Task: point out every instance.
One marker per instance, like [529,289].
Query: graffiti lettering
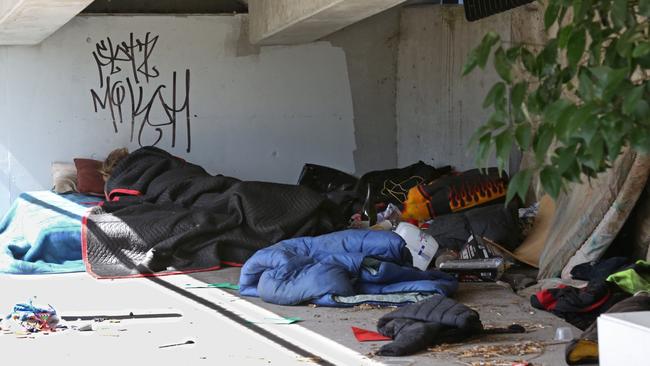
[126,88]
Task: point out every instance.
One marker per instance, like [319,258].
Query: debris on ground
[493,355]
[31,318]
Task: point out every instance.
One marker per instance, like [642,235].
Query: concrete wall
[437,110]
[371,50]
[252,115]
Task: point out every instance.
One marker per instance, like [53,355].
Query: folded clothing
[436,320]
[340,269]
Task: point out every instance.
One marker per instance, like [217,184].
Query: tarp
[590,215]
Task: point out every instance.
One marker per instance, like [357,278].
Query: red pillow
[89,180]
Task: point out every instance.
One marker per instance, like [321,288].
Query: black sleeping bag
[167,215]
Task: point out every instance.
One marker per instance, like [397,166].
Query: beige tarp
[590,214]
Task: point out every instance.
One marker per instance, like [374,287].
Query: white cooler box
[624,339]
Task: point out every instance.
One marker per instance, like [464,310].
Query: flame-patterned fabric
[455,193]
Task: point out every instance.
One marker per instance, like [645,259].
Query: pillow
[89,180]
[64,177]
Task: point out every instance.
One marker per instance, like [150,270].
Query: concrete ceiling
[24,22]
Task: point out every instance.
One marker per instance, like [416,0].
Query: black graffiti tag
[127,88]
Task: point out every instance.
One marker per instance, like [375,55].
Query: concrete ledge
[275,22]
[28,22]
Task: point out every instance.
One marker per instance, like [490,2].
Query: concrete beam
[28,22]
[274,22]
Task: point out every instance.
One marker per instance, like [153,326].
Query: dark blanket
[166,215]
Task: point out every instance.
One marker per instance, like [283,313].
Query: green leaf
[503,144]
[631,99]
[551,181]
[619,12]
[483,150]
[553,111]
[519,185]
[497,92]
[528,59]
[588,130]
[642,110]
[489,40]
[471,63]
[576,47]
[550,16]
[513,53]
[563,126]
[563,36]
[565,157]
[608,80]
[641,50]
[502,65]
[641,141]
[543,139]
[586,88]
[523,134]
[518,93]
[644,7]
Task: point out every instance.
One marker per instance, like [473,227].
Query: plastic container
[423,247]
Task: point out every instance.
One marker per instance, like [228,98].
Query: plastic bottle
[423,247]
[369,211]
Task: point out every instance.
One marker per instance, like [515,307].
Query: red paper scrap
[364,335]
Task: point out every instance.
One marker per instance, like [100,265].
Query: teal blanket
[41,233]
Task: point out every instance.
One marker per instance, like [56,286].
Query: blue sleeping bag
[41,233]
[344,268]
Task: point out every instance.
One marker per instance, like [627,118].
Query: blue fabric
[41,233]
[314,269]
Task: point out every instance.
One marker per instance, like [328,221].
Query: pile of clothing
[614,285]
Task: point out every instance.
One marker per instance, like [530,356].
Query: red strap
[363,335]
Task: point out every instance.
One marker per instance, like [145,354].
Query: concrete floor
[231,330]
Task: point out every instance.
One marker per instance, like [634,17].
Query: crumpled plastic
[31,318]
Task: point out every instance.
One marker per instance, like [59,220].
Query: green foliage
[576,102]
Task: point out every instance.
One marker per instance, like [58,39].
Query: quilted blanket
[166,215]
[345,268]
[41,233]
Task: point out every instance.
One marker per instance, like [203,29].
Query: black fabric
[392,185]
[418,326]
[436,320]
[498,223]
[600,270]
[325,180]
[579,306]
[172,215]
[631,304]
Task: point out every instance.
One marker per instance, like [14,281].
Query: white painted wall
[254,115]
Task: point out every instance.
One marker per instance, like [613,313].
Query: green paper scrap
[284,320]
[228,285]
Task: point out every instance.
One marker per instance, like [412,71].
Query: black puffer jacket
[436,320]
[417,326]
